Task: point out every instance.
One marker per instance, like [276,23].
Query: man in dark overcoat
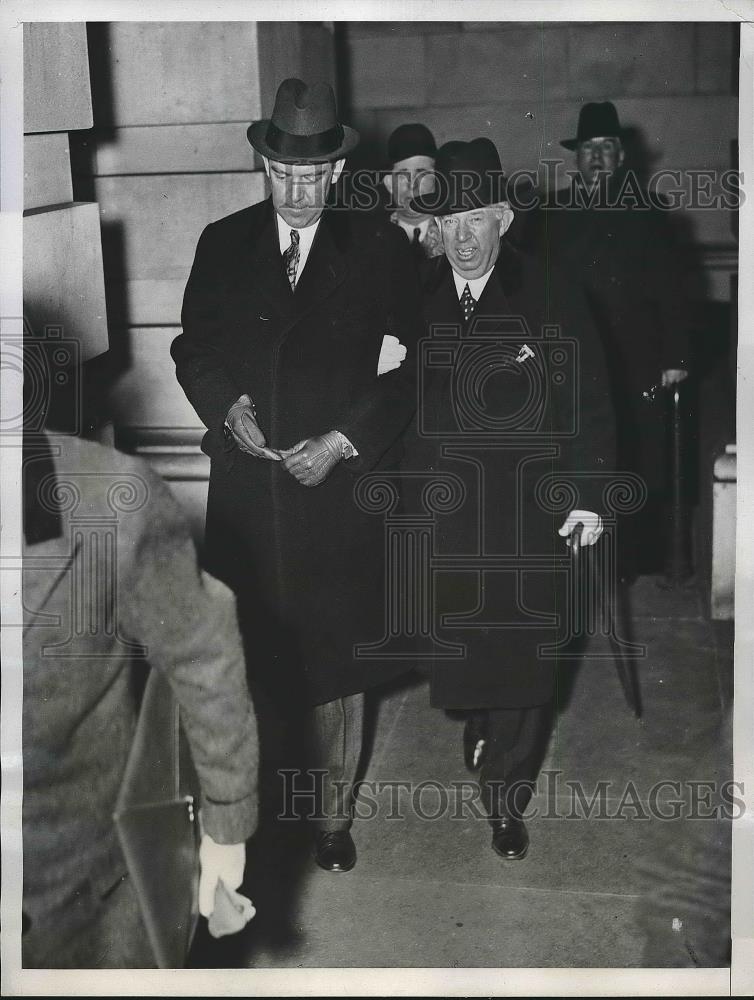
[286,316]
[411,153]
[515,407]
[620,245]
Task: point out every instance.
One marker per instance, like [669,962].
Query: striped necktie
[468,303]
[291,258]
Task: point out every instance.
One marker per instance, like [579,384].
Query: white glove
[592,526]
[392,354]
[218,861]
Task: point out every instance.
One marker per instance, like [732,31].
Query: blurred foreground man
[626,259]
[288,318]
[496,414]
[110,577]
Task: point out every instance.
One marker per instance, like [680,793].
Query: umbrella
[627,675]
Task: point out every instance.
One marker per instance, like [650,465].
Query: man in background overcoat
[626,257]
[411,154]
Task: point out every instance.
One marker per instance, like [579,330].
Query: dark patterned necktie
[468,303]
[291,259]
[417,235]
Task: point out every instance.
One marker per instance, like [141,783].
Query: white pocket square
[524,353]
[392,354]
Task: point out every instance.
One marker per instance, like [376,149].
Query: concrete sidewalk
[622,888]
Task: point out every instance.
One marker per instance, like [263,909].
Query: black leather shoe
[474,741]
[334,850]
[509,838]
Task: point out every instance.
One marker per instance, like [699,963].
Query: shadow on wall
[102,372]
[62,393]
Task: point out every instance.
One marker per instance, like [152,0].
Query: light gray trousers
[335,738]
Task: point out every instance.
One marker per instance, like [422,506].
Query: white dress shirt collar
[306,238]
[476,285]
[409,227]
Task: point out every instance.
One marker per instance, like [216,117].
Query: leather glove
[218,862]
[312,460]
[672,376]
[593,526]
[246,432]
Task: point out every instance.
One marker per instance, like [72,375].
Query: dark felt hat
[468,175]
[595,120]
[410,140]
[304,126]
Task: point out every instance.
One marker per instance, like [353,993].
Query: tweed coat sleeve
[201,368]
[187,620]
[383,413]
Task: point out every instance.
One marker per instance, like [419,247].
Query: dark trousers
[335,738]
[517,741]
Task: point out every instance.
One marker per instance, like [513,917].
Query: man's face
[472,239]
[410,178]
[600,156]
[300,190]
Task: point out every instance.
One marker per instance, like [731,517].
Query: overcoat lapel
[265,265]
[326,266]
[442,305]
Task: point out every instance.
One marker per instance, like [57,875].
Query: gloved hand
[218,861]
[672,376]
[593,526]
[312,460]
[247,434]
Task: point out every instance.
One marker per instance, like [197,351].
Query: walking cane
[679,569]
[627,675]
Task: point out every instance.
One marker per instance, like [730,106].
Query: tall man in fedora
[495,413]
[285,316]
[626,258]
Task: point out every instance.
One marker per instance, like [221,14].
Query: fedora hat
[595,119]
[304,127]
[410,140]
[468,175]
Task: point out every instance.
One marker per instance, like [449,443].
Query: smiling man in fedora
[285,317]
[513,393]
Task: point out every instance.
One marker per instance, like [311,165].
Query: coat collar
[508,272]
[326,267]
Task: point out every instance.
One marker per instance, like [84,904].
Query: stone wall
[167,155]
[674,85]
[63,278]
